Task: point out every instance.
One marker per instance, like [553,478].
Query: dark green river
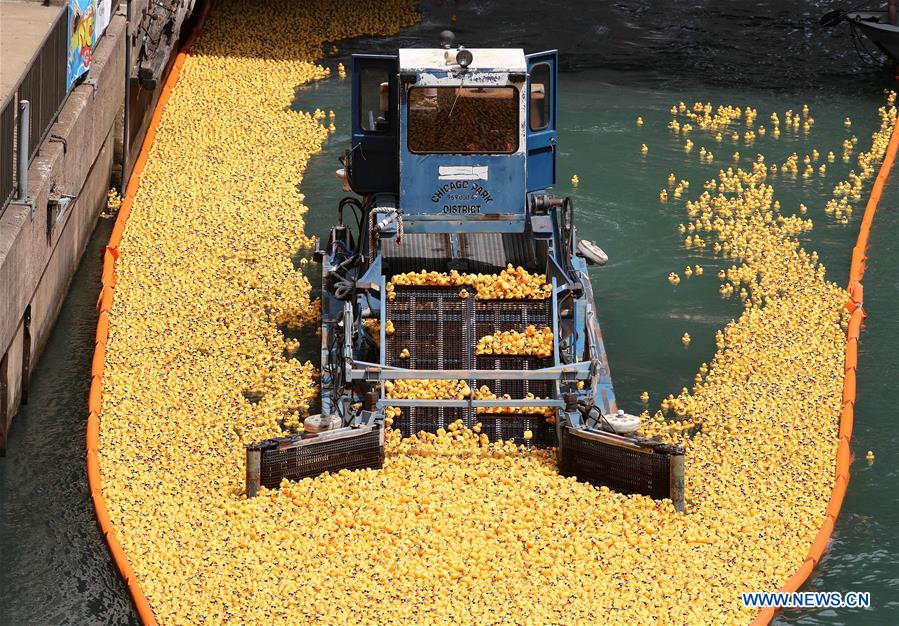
[621,61]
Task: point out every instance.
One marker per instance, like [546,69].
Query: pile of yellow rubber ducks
[531,342]
[198,365]
[484,393]
[426,389]
[510,283]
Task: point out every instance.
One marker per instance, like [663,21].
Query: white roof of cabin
[424,59]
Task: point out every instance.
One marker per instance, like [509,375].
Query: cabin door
[375,125]
[542,116]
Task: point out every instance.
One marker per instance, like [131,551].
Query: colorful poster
[103,12]
[80,40]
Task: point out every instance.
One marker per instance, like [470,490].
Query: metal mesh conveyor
[627,466]
[487,253]
[440,330]
[298,457]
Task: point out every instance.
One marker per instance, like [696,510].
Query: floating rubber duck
[644,397]
[663,195]
[870,455]
[688,271]
[575,180]
[697,269]
[673,278]
[644,149]
[639,121]
[847,122]
[671,178]
[685,339]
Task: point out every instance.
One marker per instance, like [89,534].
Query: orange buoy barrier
[104,305]
[844,454]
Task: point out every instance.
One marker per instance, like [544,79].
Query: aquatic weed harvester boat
[459,260]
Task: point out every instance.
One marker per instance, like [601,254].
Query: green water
[643,317]
[766,54]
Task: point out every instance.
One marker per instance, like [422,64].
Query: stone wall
[41,246]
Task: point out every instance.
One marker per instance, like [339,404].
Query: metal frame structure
[402,223]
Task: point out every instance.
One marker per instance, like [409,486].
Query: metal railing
[7,152]
[44,86]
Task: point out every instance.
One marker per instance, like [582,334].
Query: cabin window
[463,120]
[541,97]
[374,100]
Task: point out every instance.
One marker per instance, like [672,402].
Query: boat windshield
[467,120]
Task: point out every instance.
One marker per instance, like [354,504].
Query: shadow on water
[56,567]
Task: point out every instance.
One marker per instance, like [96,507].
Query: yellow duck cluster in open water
[454,529]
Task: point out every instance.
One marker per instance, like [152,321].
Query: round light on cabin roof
[464,58]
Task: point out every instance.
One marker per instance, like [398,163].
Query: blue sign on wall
[80,40]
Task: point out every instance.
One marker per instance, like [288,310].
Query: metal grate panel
[441,330]
[494,316]
[416,419]
[515,388]
[511,426]
[296,458]
[434,324]
[505,426]
[652,471]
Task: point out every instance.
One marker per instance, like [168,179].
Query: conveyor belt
[440,330]
[480,252]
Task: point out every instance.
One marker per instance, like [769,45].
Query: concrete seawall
[40,244]
[42,241]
